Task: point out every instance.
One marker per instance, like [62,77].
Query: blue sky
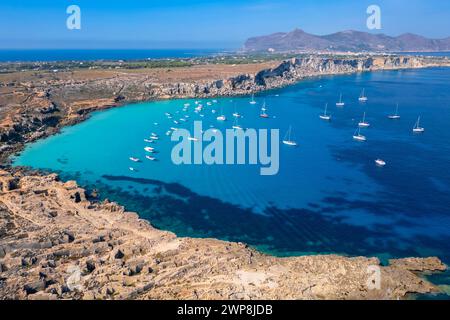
[202,23]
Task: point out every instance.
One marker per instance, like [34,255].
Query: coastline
[27,186]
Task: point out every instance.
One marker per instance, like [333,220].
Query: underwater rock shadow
[278,231]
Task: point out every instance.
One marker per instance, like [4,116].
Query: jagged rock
[90,266]
[33,287]
[419,264]
[119,254]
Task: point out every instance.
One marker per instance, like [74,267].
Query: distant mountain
[355,41]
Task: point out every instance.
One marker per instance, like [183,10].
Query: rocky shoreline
[55,243]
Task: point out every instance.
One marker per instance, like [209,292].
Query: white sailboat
[358,136]
[362,97]
[236,114]
[236,125]
[395,116]
[417,128]
[325,116]
[340,103]
[364,123]
[288,140]
[222,116]
[150,158]
[263,113]
[134,159]
[253,99]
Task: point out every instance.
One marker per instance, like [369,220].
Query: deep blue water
[102,54]
[329,196]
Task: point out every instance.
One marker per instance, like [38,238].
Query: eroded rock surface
[55,244]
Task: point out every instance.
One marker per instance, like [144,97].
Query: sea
[329,195]
[45,55]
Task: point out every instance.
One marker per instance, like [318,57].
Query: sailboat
[417,128]
[380,163]
[222,116]
[363,123]
[263,111]
[362,97]
[135,159]
[395,116]
[253,99]
[358,136]
[340,103]
[287,138]
[236,114]
[325,116]
[236,125]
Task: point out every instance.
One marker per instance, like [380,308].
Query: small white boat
[222,116]
[214,101]
[167,114]
[155,123]
[236,125]
[236,114]
[364,123]
[325,116]
[132,169]
[149,149]
[173,128]
[187,105]
[150,158]
[288,140]
[134,159]
[148,140]
[340,103]
[395,116]
[358,136]
[253,99]
[417,128]
[380,163]
[168,133]
[362,97]
[263,113]
[154,138]
[175,122]
[213,111]
[183,120]
[209,103]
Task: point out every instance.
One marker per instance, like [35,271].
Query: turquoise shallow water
[328,197]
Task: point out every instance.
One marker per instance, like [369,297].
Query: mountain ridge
[347,40]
